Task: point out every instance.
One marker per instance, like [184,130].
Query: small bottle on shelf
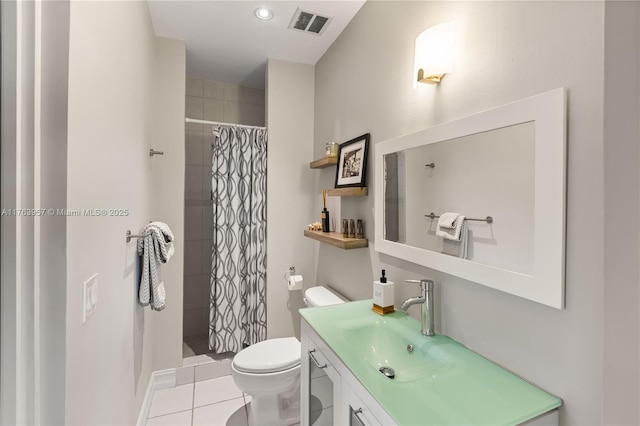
[325,220]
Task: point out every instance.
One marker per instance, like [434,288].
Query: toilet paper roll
[295,282]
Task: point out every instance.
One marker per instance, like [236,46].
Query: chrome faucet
[426,299]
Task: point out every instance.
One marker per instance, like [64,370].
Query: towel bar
[488,219]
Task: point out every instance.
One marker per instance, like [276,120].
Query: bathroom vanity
[360,368]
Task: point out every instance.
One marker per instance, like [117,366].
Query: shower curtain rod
[215,123]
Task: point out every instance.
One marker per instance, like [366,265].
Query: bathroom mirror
[507,163]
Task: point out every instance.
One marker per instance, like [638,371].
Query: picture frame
[351,170]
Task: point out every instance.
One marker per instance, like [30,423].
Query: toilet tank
[322,296]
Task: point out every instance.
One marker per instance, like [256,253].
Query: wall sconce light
[434,54]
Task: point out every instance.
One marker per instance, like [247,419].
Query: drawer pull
[315,361]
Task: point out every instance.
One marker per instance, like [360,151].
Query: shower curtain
[238,315]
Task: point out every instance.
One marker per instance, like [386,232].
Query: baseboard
[163,379]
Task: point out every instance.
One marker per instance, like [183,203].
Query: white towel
[453,232]
[155,248]
[448,220]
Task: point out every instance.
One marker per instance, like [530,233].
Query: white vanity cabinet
[330,393]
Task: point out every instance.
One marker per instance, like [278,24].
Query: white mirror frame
[546,284]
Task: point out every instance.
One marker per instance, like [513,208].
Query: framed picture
[352,162]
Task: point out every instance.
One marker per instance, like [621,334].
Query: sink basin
[381,342]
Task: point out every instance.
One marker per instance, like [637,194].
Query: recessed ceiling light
[263,13]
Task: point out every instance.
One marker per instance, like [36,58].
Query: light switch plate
[89,297]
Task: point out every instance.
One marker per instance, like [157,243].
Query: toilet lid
[269,356]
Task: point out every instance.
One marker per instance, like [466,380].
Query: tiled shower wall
[220,102]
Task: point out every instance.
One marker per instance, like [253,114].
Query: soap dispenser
[383,296]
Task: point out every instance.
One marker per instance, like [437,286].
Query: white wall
[621,376]
[114,107]
[290,97]
[35,49]
[53,187]
[17,126]
[168,174]
[508,51]
[88,102]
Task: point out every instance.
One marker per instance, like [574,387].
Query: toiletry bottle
[333,148]
[383,296]
[325,220]
[345,228]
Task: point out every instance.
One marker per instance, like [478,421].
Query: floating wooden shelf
[348,192]
[323,162]
[337,240]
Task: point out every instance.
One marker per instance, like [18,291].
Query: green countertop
[452,385]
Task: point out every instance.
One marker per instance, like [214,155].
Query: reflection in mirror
[485,174]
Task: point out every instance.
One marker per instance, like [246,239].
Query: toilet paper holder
[294,282]
[290,271]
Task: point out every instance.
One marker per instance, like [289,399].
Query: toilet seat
[269,356]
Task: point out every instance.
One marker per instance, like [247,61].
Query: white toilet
[269,371]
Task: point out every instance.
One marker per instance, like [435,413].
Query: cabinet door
[320,387]
[358,414]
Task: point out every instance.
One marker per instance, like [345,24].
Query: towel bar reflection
[129,236]
[488,219]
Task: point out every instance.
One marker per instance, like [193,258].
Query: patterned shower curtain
[238,315]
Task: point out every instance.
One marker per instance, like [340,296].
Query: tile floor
[205,394]
[210,402]
[195,345]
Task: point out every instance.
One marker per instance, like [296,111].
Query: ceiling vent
[309,22]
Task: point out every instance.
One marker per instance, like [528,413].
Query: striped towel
[155,248]
[458,248]
[454,230]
